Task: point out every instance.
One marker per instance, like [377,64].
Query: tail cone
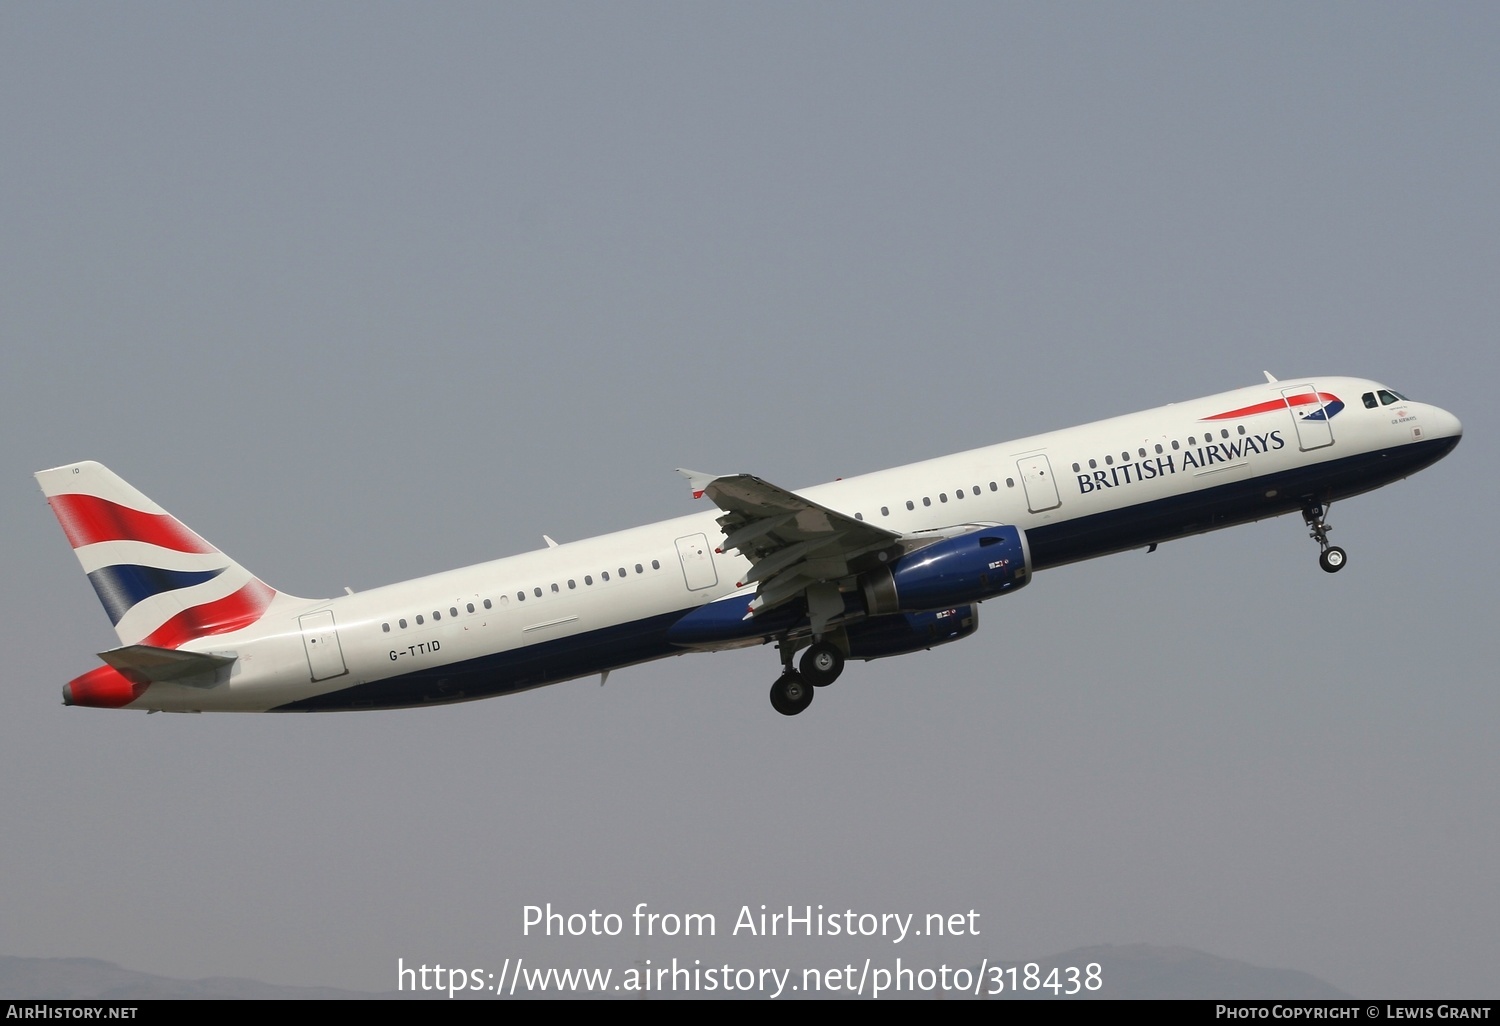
[103,688]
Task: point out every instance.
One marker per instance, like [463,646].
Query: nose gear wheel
[1330,557]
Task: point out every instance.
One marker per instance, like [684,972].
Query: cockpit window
[1387,397]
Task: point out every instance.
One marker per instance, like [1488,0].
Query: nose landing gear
[1331,558]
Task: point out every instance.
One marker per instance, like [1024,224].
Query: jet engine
[969,568]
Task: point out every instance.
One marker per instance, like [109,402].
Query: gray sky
[364,292]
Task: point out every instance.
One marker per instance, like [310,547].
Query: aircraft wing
[792,543]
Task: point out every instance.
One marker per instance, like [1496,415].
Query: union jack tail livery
[161,584]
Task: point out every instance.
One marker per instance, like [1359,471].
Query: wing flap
[791,542]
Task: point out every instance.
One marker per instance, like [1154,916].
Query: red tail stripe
[1275,404]
[87,519]
[221,616]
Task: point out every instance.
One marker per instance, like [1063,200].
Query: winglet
[698,480]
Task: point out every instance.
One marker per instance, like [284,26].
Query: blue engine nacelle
[970,568]
[881,636]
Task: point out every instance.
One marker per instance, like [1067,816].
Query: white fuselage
[592,605]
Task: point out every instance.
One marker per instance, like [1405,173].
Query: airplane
[862,568]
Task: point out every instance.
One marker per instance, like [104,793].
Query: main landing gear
[821,664]
[791,694]
[1331,558]
[819,667]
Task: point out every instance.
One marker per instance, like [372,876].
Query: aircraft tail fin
[161,584]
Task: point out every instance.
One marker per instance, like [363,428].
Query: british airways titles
[1192,459]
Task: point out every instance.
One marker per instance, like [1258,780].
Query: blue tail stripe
[120,587]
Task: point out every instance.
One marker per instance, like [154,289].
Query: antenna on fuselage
[1270,379]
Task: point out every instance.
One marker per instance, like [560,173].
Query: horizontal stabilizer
[146,664]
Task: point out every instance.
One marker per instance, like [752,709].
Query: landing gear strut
[1331,558]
